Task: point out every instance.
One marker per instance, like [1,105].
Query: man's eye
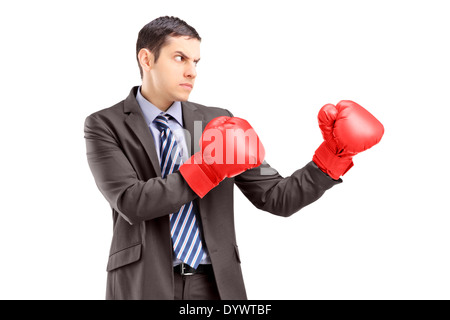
[179,58]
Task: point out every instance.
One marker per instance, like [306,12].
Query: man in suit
[126,152]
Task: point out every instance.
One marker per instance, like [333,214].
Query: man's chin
[183,97]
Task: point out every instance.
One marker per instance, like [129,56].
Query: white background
[382,234]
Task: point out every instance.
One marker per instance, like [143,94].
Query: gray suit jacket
[122,157]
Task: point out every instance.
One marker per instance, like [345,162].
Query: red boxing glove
[347,129]
[229,146]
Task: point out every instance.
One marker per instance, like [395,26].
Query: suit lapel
[136,123]
[193,121]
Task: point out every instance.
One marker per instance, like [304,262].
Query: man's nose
[191,71]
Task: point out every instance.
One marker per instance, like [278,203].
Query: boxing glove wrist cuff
[198,176]
[330,163]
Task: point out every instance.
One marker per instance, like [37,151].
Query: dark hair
[154,35]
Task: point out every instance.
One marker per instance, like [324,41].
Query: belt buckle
[183,268]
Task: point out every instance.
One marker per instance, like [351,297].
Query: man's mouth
[187,86]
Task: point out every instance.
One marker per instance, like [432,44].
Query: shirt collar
[150,111]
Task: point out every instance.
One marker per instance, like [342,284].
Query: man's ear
[146,59]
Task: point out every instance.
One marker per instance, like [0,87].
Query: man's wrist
[200,182]
[330,163]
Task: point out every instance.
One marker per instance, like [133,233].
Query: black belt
[186,270]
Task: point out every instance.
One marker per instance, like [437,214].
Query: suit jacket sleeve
[134,199]
[269,191]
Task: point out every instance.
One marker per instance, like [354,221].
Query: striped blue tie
[186,238]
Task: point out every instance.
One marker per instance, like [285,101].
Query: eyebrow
[185,56]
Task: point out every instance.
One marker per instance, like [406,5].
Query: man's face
[173,75]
